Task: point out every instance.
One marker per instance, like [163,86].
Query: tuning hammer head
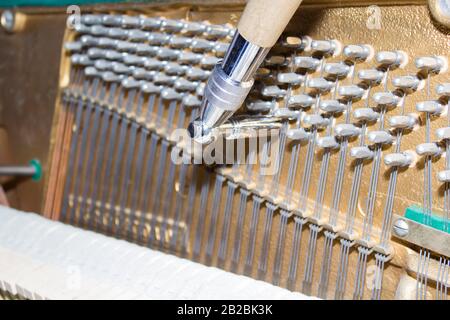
[222,97]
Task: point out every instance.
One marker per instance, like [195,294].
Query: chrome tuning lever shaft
[261,24]
[227,87]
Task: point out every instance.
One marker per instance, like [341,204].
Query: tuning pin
[125,46]
[84,60]
[150,23]
[164,79]
[171,26]
[220,48]
[150,88]
[315,120]
[91,19]
[362,152]
[154,64]
[365,115]
[91,72]
[143,74]
[170,94]
[95,53]
[339,70]
[200,90]
[191,101]
[75,46]
[371,76]
[202,45]
[75,59]
[352,92]
[158,39]
[431,106]
[109,76]
[217,31]
[103,65]
[174,69]
[112,20]
[402,122]
[131,59]
[443,133]
[131,22]
[380,137]
[275,61]
[359,53]
[301,101]
[326,47]
[130,83]
[432,64]
[443,90]
[392,58]
[331,106]
[114,55]
[197,74]
[261,106]
[193,28]
[209,62]
[386,99]
[407,83]
[87,41]
[137,35]
[297,43]
[428,149]
[168,54]
[82,29]
[273,92]
[145,49]
[290,78]
[189,58]
[346,130]
[117,33]
[298,134]
[308,63]
[328,142]
[105,42]
[99,30]
[444,176]
[185,85]
[286,114]
[320,84]
[402,159]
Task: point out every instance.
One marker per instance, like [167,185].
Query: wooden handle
[263,21]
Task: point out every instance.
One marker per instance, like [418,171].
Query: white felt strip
[44,259]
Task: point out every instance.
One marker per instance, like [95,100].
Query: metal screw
[440,9]
[401,228]
[7,20]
